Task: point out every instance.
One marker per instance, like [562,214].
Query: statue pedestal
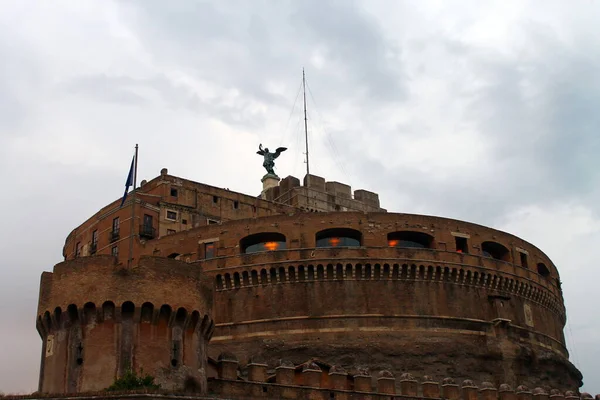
[269,181]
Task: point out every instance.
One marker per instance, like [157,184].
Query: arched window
[339,237]
[264,241]
[419,240]
[543,270]
[495,250]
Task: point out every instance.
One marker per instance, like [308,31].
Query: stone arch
[410,239]
[245,278]
[237,283]
[377,272]
[227,281]
[73,314]
[358,272]
[263,241]
[495,250]
[396,272]
[264,279]
[194,320]
[338,237]
[205,324]
[164,315]
[311,273]
[254,277]
[368,271]
[292,274]
[320,272]
[386,271]
[47,320]
[301,273]
[108,310]
[543,270]
[330,273]
[147,312]
[58,317]
[349,271]
[174,256]
[181,316]
[127,310]
[339,271]
[89,313]
[273,275]
[281,274]
[220,281]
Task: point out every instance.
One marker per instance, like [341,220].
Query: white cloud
[483,111]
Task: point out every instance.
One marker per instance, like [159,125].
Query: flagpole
[132,230]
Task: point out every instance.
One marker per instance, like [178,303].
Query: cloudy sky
[482,111]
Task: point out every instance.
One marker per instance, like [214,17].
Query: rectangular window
[209,250]
[170,231]
[173,192]
[77,249]
[215,199]
[184,221]
[95,238]
[172,215]
[523,260]
[461,245]
[115,251]
[236,204]
[115,225]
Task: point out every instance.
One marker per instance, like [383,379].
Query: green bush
[131,381]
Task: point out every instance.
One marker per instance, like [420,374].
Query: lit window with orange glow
[393,243]
[334,241]
[270,246]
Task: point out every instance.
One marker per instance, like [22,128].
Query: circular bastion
[399,292]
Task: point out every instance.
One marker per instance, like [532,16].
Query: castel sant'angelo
[306,291]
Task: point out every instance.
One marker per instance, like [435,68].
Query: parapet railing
[374,269]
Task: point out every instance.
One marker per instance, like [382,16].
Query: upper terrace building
[168,204]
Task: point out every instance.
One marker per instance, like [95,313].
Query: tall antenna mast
[305,121]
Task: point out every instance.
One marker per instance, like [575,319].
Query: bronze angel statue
[269,158]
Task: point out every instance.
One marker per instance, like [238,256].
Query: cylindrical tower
[97,320]
[407,293]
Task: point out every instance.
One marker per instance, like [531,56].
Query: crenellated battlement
[316,380]
[100,279]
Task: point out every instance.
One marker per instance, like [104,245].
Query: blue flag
[129,182]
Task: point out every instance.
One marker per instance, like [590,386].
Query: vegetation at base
[131,381]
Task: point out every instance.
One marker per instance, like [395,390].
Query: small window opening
[115,251]
[172,215]
[410,239]
[212,222]
[265,241]
[236,204]
[543,270]
[215,199]
[264,388]
[524,260]
[462,245]
[338,237]
[78,249]
[184,221]
[173,192]
[495,250]
[209,250]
